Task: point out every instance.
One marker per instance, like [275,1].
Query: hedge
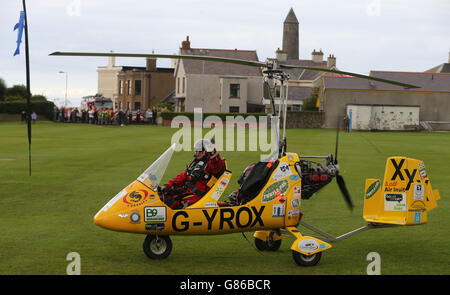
[223,116]
[42,108]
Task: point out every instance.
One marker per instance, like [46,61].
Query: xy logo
[398,172]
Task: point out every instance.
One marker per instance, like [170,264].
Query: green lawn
[77,168]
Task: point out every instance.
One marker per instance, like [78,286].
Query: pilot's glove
[197,172]
[162,190]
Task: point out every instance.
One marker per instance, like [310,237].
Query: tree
[2,89]
[17,91]
[309,104]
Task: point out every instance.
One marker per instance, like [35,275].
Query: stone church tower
[290,36]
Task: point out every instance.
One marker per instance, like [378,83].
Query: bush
[223,116]
[42,108]
[164,107]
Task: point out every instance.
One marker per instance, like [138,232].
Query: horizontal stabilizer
[404,197]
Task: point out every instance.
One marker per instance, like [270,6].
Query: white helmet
[203,145]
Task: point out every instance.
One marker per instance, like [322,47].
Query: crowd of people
[104,116]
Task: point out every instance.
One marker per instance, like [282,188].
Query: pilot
[191,185]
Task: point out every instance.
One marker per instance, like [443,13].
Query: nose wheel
[157,247]
[306,260]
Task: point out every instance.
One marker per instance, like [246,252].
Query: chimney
[281,55]
[186,45]
[112,61]
[317,56]
[331,62]
[151,64]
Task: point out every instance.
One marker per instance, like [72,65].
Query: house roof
[442,68]
[299,92]
[220,68]
[428,82]
[170,98]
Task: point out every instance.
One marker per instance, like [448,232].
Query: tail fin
[404,197]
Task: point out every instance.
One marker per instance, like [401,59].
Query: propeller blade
[337,143]
[173,56]
[345,193]
[349,74]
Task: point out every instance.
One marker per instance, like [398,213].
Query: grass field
[77,168]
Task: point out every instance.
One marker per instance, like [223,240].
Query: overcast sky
[364,35]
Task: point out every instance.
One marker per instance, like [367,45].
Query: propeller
[271,65]
[339,179]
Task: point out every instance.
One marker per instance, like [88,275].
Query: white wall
[379,117]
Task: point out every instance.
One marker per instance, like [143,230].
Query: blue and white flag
[19,26]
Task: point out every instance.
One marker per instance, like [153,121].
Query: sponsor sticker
[395,202]
[154,226]
[293,212]
[294,177]
[270,193]
[135,198]
[154,214]
[298,191]
[423,173]
[417,217]
[372,189]
[419,191]
[308,245]
[295,203]
[283,171]
[278,210]
[135,217]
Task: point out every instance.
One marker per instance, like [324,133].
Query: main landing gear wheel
[270,245]
[157,247]
[306,260]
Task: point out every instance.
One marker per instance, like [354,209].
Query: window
[137,105]
[120,87]
[129,87]
[120,105]
[234,90]
[234,109]
[178,85]
[137,87]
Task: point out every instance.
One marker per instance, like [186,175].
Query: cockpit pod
[126,209]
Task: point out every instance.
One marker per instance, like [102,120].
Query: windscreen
[154,174]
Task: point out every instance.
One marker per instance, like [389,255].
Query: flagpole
[27,61]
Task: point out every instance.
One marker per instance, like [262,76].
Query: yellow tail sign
[404,197]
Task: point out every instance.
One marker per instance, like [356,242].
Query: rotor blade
[173,56]
[349,74]
[345,193]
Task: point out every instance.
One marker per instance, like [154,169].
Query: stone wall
[9,117]
[294,120]
[305,119]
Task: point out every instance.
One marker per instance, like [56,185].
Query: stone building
[301,81]
[217,86]
[143,87]
[432,99]
[107,80]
